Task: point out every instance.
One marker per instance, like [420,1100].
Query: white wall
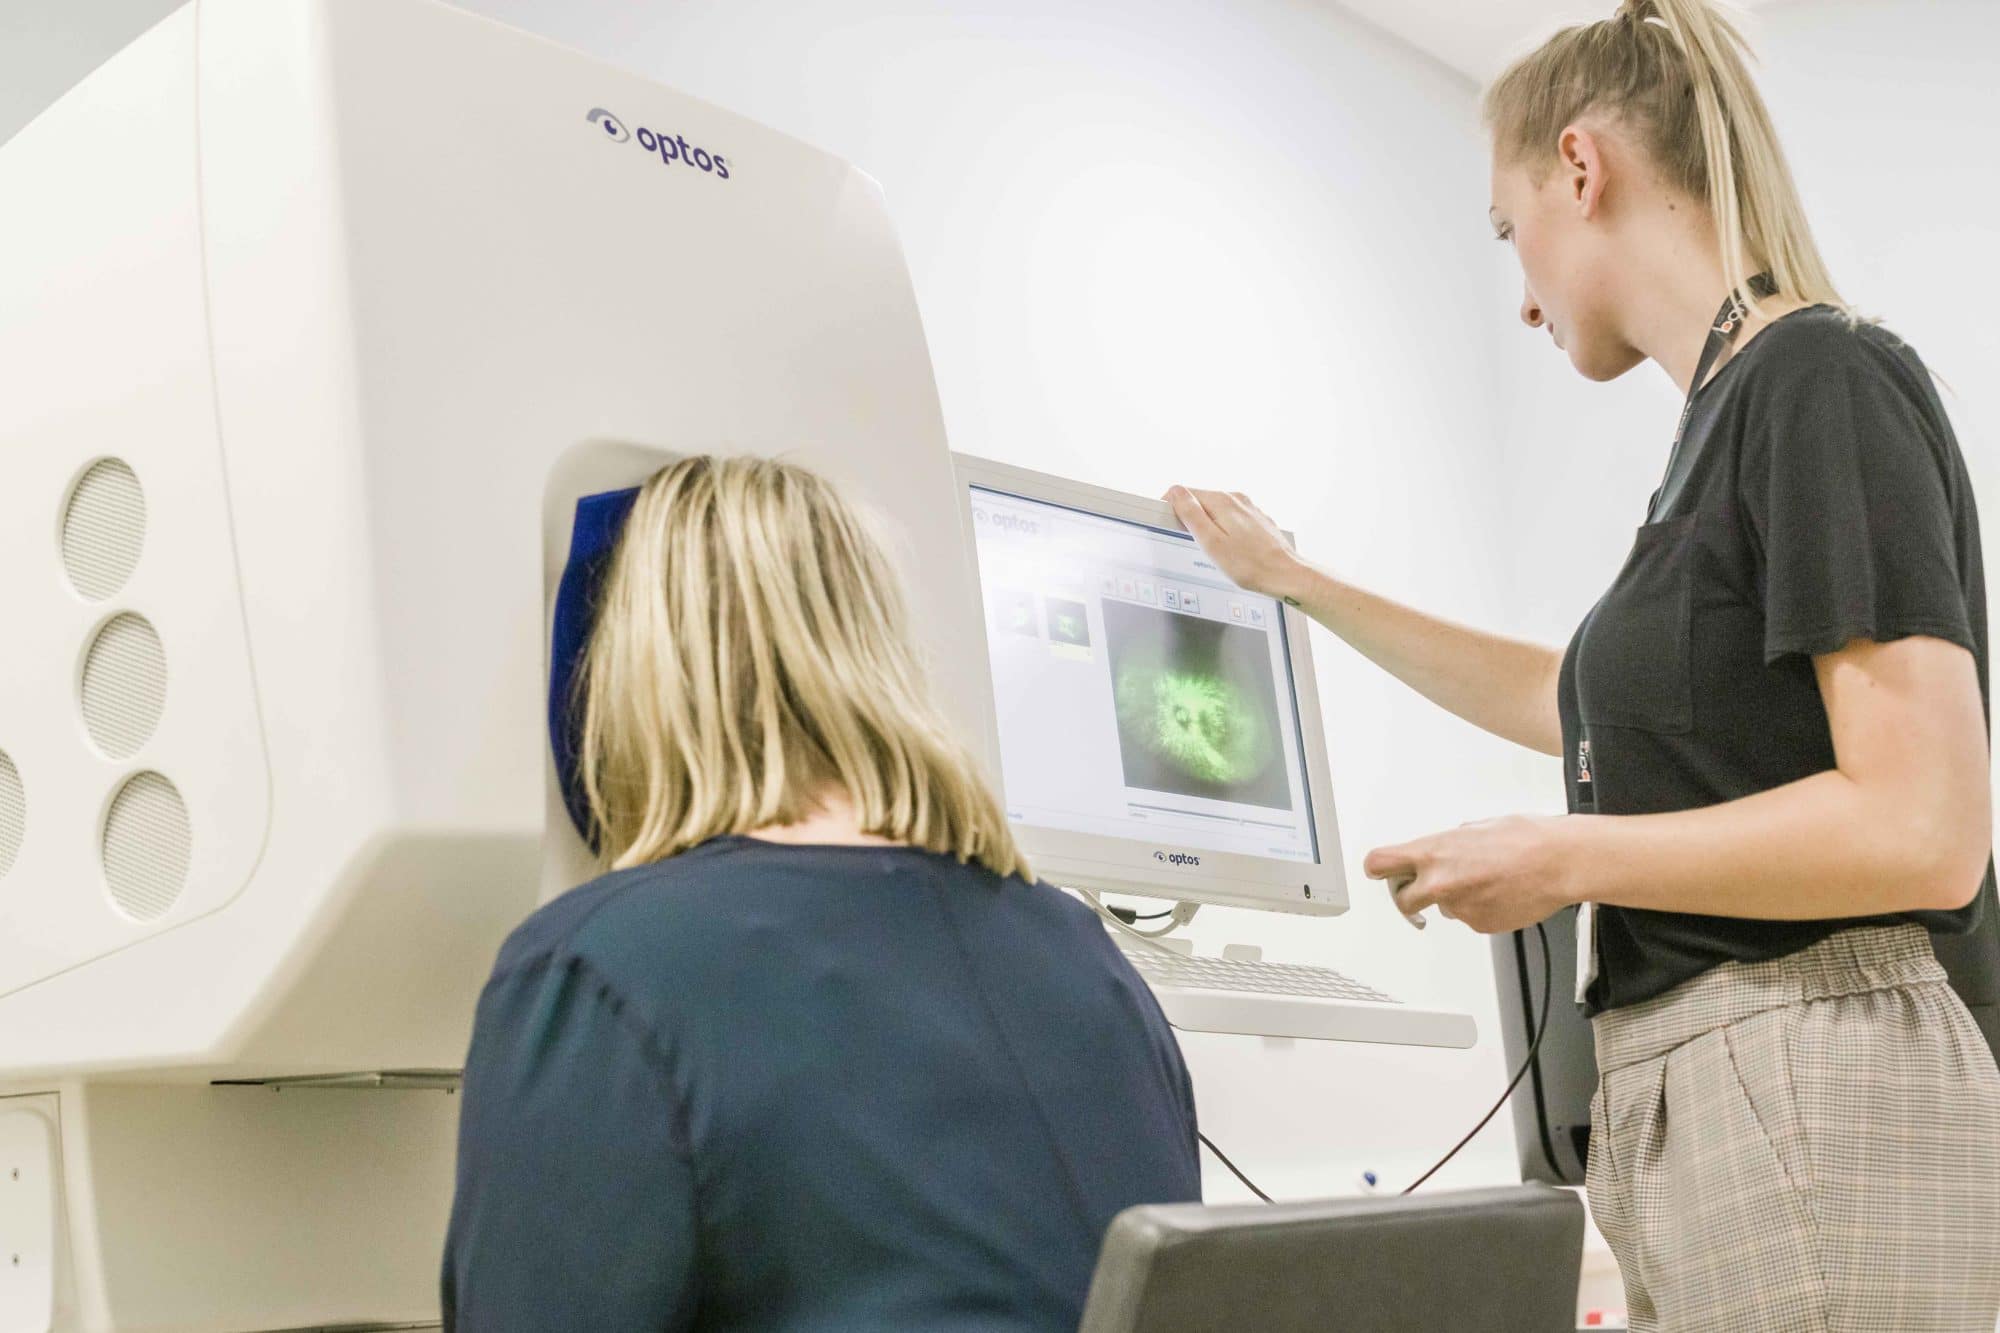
[1891,113]
[1166,241]
[48,46]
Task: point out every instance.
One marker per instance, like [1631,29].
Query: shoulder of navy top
[551,928]
[554,928]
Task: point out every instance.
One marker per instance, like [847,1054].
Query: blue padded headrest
[593,536]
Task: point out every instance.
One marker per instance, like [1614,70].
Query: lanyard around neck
[1721,334]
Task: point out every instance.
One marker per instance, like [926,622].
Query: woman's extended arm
[1503,685]
[1902,823]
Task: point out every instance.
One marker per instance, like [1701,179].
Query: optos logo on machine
[669,148]
[1178,858]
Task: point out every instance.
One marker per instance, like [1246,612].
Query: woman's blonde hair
[1676,73]
[752,655]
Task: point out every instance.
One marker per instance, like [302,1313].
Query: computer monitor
[1157,726]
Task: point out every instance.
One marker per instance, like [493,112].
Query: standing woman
[1773,725]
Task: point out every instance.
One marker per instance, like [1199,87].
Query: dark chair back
[1502,1260]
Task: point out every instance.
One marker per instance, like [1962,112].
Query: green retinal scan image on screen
[1197,711]
[1069,623]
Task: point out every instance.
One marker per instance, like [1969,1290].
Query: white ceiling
[47,45]
[1479,37]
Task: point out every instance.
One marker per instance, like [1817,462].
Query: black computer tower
[1552,1104]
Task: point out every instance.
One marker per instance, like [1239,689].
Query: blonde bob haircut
[751,657]
[1676,73]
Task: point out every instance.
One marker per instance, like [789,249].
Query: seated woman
[817,1053]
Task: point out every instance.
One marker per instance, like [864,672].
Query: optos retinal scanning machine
[318,318]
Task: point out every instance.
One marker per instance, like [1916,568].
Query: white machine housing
[364,293]
[365,301]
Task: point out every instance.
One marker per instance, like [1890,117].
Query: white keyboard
[1160,968]
[1208,994]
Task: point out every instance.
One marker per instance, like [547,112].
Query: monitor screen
[1139,693]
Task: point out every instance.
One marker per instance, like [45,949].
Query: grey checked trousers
[1805,1145]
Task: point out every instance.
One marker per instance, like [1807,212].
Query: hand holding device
[1396,886]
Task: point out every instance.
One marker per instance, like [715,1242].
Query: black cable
[1232,1166]
[1128,916]
[1548,985]
[1548,982]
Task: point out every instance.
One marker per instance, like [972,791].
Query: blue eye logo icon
[610,124]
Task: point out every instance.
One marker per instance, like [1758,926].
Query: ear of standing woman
[1773,724]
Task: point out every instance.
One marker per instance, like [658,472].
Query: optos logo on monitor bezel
[1186,860]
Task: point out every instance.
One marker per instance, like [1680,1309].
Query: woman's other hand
[1239,537]
[1495,875]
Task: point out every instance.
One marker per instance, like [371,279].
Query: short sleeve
[1843,482]
[575,1201]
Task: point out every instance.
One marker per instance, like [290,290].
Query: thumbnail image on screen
[1197,714]
[1069,622]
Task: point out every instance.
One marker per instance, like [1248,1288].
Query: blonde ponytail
[1676,72]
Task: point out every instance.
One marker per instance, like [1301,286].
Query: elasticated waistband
[1850,962]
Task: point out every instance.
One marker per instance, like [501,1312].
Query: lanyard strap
[1728,320]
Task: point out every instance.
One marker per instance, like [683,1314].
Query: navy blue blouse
[771,1087]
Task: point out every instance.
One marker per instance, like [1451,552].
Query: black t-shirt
[1819,497]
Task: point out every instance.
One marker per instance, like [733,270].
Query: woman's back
[765,1086]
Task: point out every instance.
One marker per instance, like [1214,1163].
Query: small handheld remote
[1416,919]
